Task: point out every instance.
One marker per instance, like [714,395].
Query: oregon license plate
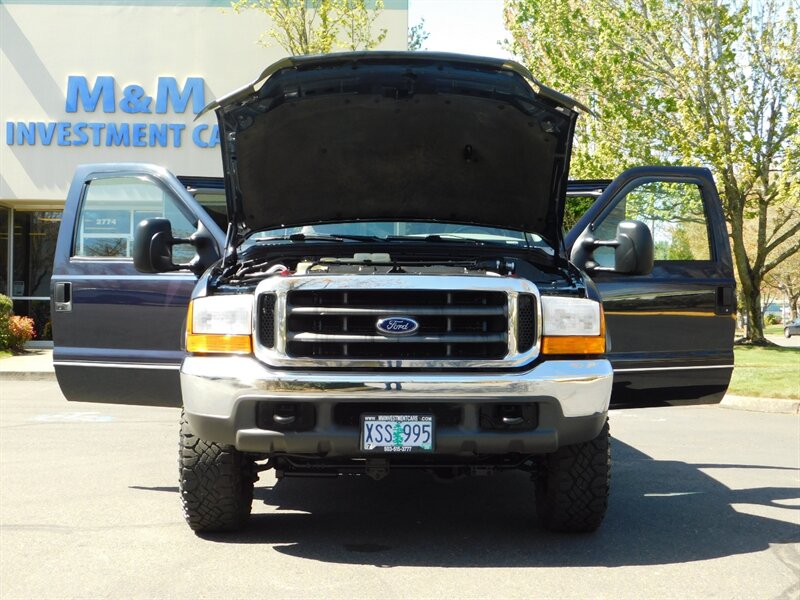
[397,433]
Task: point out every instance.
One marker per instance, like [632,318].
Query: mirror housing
[153,242]
[633,250]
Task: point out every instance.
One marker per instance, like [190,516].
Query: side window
[674,213]
[113,207]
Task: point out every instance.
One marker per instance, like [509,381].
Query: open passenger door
[670,332]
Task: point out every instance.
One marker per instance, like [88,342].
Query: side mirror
[152,246]
[633,250]
[153,242]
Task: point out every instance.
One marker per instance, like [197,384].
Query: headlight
[220,324]
[572,326]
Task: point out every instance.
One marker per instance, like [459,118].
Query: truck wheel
[786,333]
[216,483]
[572,489]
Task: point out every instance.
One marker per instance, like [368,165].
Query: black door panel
[671,331]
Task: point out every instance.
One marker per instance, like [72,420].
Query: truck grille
[454,321]
[341,324]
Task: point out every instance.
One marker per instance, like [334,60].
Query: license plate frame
[374,440]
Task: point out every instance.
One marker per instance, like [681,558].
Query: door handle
[63,296]
[726,300]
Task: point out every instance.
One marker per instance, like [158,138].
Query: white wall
[42,43]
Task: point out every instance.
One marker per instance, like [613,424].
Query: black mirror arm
[165,265]
[206,250]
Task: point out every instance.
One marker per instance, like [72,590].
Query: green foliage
[6,311]
[680,249]
[768,372]
[574,209]
[693,82]
[417,35]
[772,319]
[15,331]
[318,26]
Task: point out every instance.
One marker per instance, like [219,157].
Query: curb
[767,405]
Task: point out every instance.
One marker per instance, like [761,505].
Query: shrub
[6,310]
[773,319]
[20,331]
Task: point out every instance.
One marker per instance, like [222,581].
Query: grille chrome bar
[416,339]
[400,310]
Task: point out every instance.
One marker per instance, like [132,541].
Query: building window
[4,219]
[34,244]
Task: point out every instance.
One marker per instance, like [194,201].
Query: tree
[786,279]
[701,82]
[318,26]
[417,35]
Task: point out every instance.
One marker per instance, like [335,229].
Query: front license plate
[397,433]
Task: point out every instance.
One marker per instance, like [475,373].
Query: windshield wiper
[444,237]
[321,237]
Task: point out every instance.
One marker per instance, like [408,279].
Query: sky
[466,26]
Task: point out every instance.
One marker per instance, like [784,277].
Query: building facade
[84,81]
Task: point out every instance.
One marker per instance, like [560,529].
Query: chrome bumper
[220,395]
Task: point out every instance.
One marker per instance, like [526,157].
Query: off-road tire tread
[572,491]
[216,483]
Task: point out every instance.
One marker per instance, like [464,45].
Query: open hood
[396,136]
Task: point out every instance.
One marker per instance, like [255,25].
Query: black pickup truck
[383,281]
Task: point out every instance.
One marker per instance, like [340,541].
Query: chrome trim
[142,277]
[213,386]
[687,368]
[399,310]
[87,363]
[400,339]
[281,286]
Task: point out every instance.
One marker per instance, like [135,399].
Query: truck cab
[388,284]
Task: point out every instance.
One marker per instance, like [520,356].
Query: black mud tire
[573,485]
[216,483]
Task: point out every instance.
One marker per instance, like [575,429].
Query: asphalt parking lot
[705,503]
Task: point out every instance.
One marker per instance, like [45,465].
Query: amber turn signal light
[201,343]
[572,344]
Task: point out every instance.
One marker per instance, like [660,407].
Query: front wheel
[572,488]
[786,333]
[216,483]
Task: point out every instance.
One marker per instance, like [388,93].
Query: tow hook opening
[285,416]
[503,417]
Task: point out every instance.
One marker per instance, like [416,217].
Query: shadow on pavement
[660,512]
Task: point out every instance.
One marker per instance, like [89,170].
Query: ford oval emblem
[397,326]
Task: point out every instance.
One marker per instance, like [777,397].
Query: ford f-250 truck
[387,285]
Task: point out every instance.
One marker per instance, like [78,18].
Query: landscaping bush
[6,310]
[15,331]
[772,319]
[20,332]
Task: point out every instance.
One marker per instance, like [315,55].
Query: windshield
[392,231]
